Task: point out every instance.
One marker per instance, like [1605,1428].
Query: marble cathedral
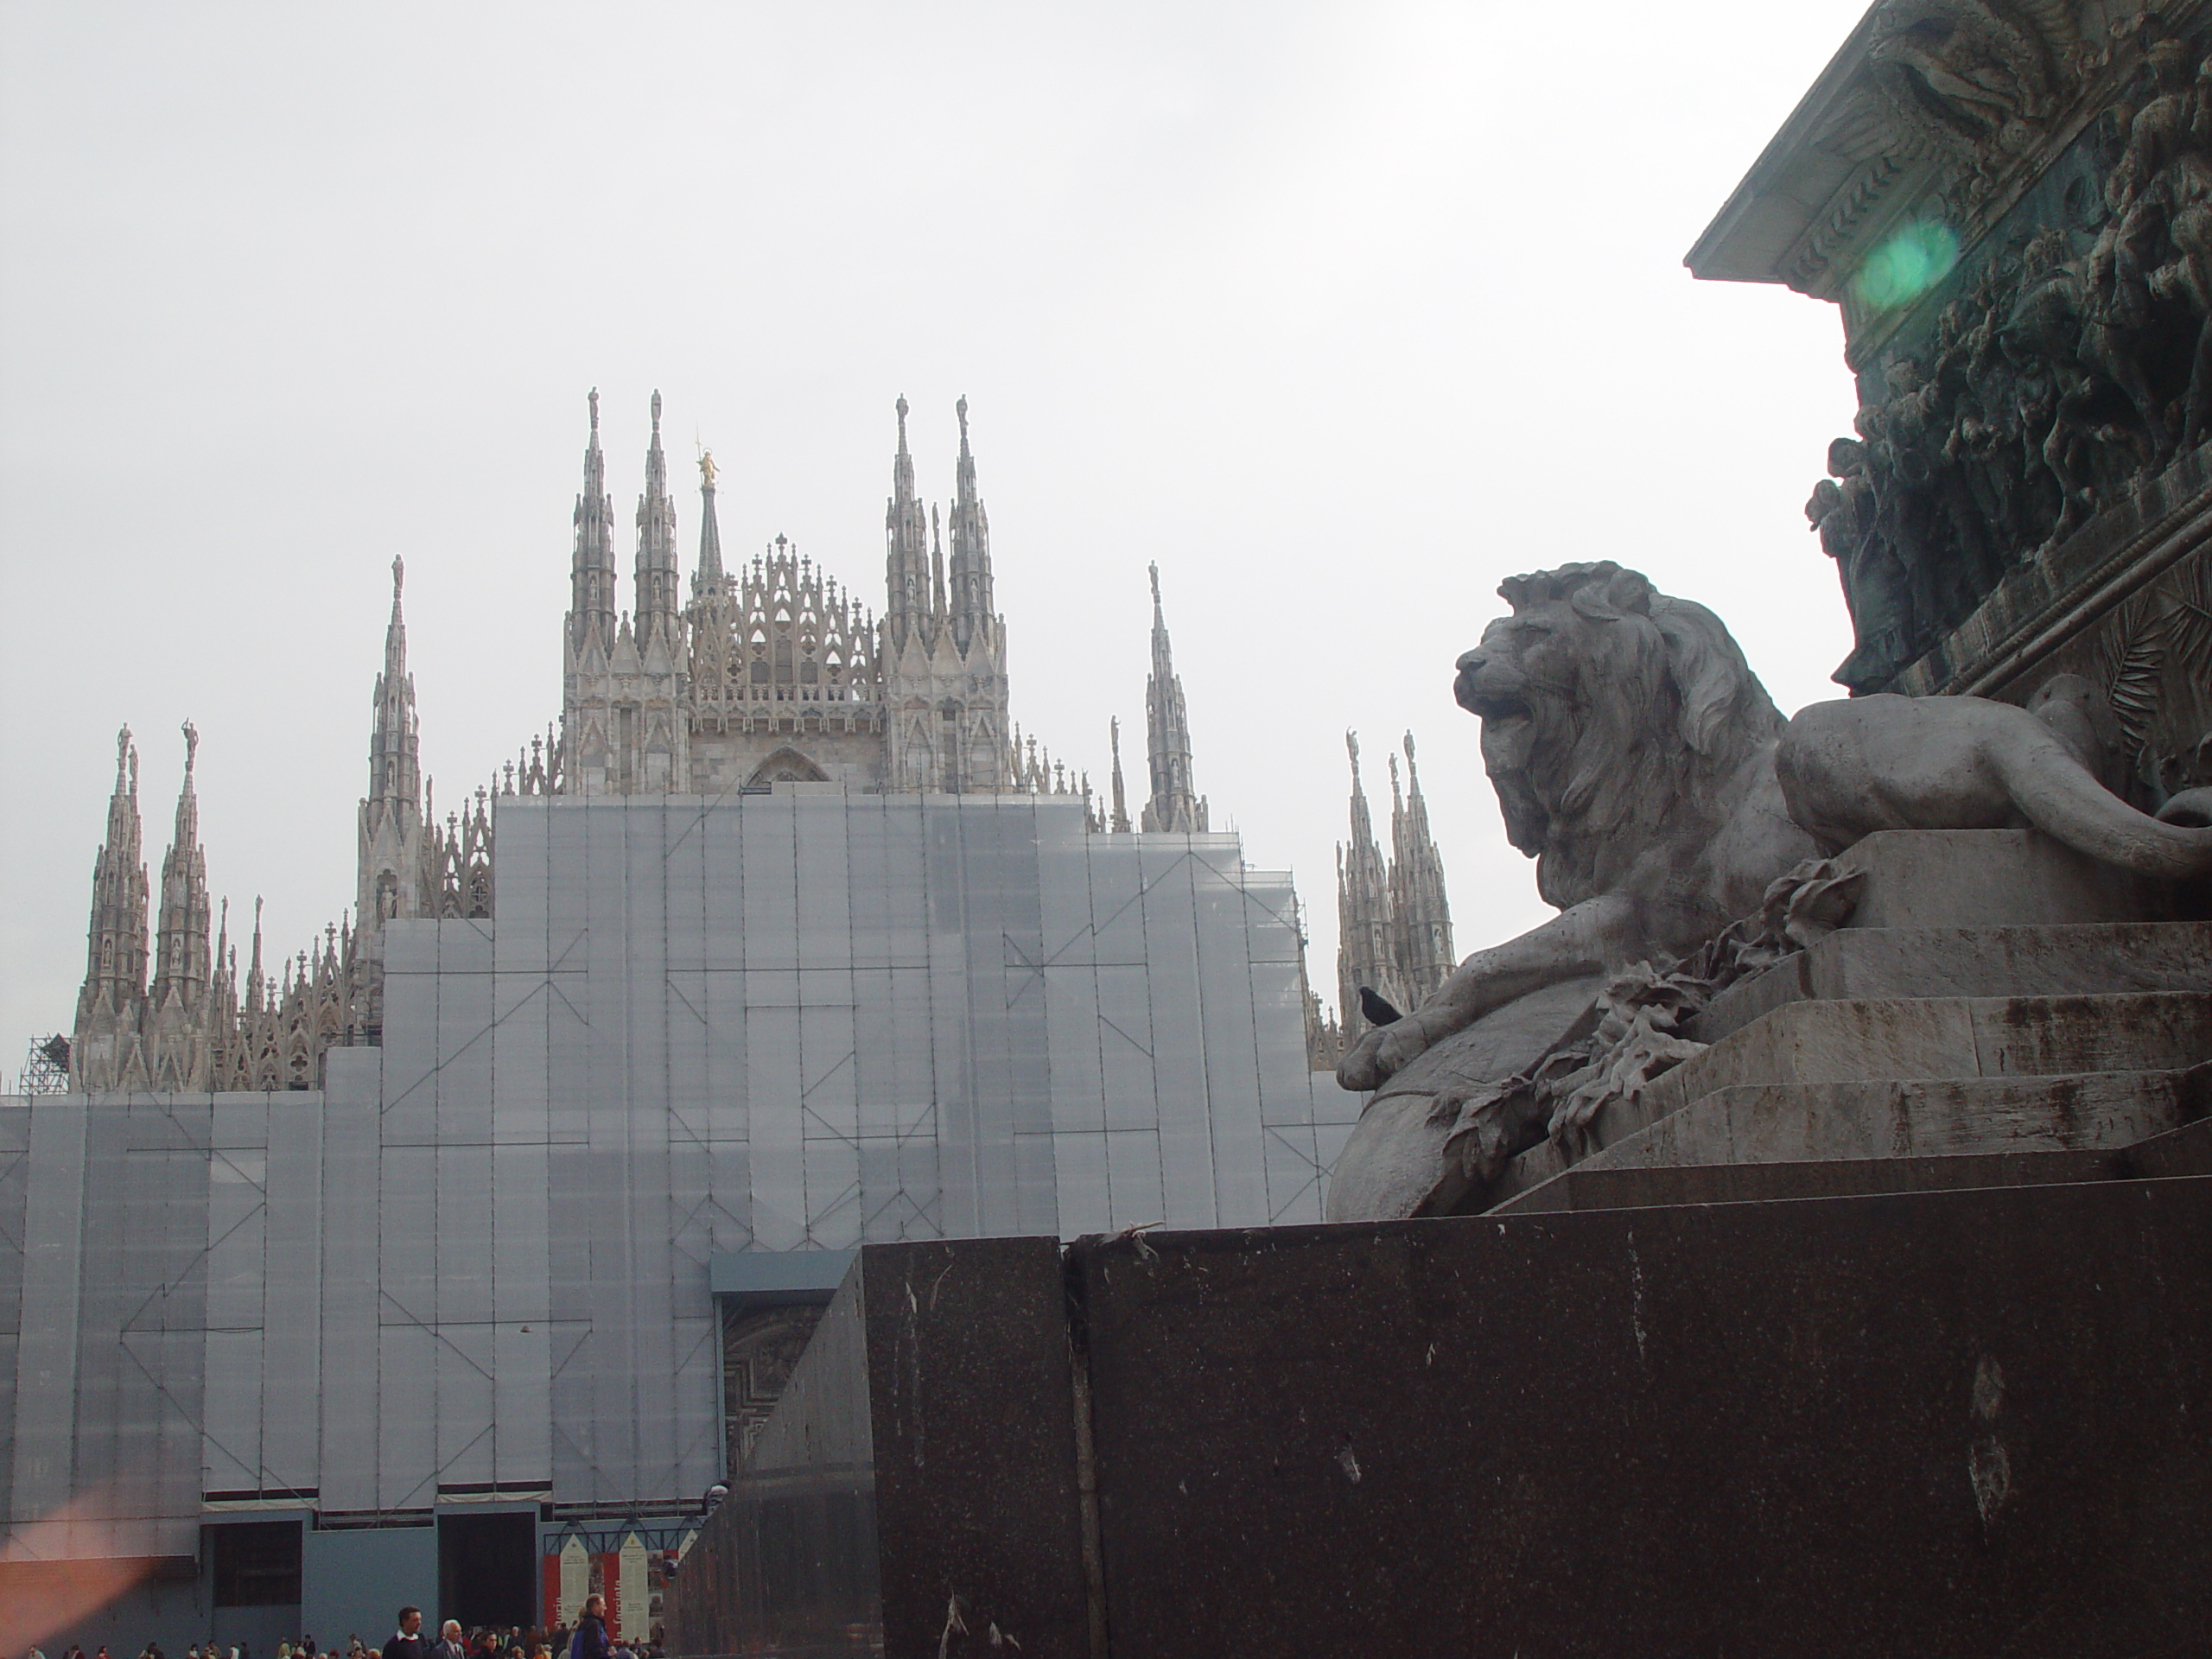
[782,939]
[766,673]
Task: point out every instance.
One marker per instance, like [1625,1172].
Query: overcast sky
[1341,313]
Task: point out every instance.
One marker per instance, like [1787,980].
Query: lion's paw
[1402,1044]
[1362,1066]
[2192,809]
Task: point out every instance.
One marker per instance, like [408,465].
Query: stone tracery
[770,674]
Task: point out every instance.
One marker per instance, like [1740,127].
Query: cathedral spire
[388,874]
[257,982]
[968,572]
[1420,914]
[591,569]
[906,563]
[1363,955]
[1175,804]
[104,1050]
[656,598]
[116,972]
[389,845]
[937,564]
[1119,822]
[181,956]
[175,1033]
[708,577]
[395,734]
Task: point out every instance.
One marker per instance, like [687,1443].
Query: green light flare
[1919,255]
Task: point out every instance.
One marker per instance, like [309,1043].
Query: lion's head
[1611,716]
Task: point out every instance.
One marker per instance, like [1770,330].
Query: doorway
[487,1570]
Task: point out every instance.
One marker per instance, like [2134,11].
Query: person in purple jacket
[590,1640]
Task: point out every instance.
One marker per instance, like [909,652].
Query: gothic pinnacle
[591,571]
[181,927]
[968,571]
[115,971]
[937,564]
[1119,822]
[658,603]
[394,739]
[906,560]
[1365,961]
[1420,914]
[1175,804]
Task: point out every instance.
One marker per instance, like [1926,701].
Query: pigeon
[1378,1012]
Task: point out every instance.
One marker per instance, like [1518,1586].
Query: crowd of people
[589,1638]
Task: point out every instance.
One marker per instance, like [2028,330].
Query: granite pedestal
[1966,1421]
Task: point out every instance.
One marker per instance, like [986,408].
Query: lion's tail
[2061,798]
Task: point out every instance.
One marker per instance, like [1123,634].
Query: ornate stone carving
[1977,81]
[1642,1014]
[760,1348]
[2153,655]
[1639,761]
[2071,363]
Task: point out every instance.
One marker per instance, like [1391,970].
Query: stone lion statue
[1638,760]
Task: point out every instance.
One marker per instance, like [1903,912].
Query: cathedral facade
[783,939]
[762,673]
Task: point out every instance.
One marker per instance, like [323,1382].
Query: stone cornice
[1874,143]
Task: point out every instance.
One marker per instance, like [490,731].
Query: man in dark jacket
[408,1642]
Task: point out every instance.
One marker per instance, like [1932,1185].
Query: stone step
[2122,1124]
[1881,1040]
[1857,1039]
[1647,1188]
[1887,963]
[2002,878]
[2185,1151]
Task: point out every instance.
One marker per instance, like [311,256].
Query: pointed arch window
[786,765]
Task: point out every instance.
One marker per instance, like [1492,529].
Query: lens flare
[1906,266]
[43,1591]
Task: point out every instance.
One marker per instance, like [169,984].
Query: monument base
[1960,1421]
[1994,993]
[1881,1324]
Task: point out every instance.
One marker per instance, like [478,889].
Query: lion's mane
[1636,729]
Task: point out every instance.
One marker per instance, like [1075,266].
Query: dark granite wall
[1947,1423]
[914,1491]
[1966,1422]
